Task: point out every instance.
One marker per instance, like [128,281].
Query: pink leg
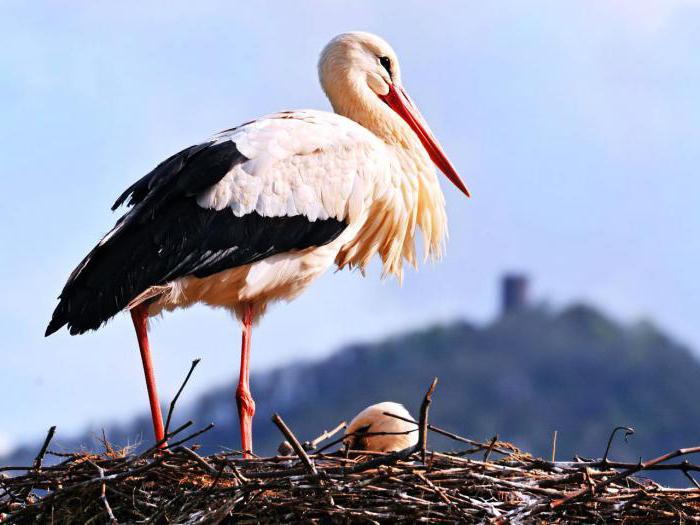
[139,315]
[244,400]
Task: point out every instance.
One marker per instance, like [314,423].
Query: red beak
[398,100]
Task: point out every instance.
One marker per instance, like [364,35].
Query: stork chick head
[399,434]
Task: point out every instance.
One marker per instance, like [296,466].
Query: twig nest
[373,429]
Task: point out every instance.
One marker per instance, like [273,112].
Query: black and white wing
[286,182]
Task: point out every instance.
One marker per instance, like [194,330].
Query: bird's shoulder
[303,162]
[298,132]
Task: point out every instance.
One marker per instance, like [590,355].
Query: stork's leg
[139,314]
[244,400]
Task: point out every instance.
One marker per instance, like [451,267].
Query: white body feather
[320,165]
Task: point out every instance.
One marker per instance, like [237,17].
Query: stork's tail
[79,312]
[100,287]
[58,321]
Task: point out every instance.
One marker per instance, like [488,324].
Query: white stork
[257,212]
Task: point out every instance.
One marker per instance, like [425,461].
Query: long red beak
[398,100]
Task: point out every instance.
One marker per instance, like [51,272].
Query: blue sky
[575,124]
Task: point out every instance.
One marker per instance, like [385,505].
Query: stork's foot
[246,411]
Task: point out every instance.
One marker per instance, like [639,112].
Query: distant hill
[521,377]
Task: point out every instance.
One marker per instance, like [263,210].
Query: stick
[192,436]
[487,454]
[452,435]
[692,479]
[641,466]
[277,420]
[179,429]
[211,470]
[292,439]
[40,456]
[199,459]
[285,449]
[423,421]
[182,387]
[103,493]
[310,445]
[628,432]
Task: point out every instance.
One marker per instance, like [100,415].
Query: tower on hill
[513,292]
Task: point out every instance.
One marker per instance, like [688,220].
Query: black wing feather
[167,235]
[186,173]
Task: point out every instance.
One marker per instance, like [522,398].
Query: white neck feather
[418,202]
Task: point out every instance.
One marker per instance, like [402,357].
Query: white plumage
[309,163]
[258,212]
[373,429]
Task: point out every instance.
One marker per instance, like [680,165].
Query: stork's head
[373,429]
[360,73]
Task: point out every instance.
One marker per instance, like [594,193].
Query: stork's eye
[386,64]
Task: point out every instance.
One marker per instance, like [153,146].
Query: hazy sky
[575,124]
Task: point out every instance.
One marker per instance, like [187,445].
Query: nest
[491,482]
